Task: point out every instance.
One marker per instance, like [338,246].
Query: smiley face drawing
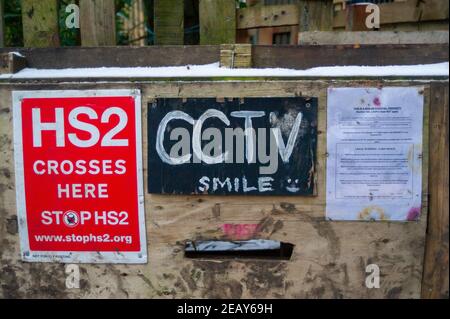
[292,186]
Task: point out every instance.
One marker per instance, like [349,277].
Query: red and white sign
[78,157]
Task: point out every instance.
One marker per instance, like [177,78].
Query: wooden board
[263,56]
[267,16]
[231,160]
[40,23]
[379,37]
[11,62]
[169,22]
[328,260]
[403,12]
[303,57]
[97,23]
[120,56]
[217,21]
[435,277]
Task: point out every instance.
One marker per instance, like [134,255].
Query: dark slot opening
[255,248]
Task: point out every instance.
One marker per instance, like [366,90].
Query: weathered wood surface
[11,62]
[217,21]
[97,23]
[267,16]
[60,58]
[403,12]
[299,57]
[236,55]
[40,23]
[380,37]
[329,258]
[315,15]
[169,22]
[435,277]
[329,55]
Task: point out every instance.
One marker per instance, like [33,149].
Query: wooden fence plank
[120,56]
[169,22]
[404,12]
[315,15]
[435,276]
[11,62]
[217,21]
[329,55]
[267,16]
[97,22]
[300,57]
[329,258]
[40,23]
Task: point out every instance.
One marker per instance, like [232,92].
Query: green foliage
[121,35]
[13,24]
[241,4]
[68,36]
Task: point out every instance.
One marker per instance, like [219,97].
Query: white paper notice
[374,145]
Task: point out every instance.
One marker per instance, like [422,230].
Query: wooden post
[169,22]
[2,24]
[11,62]
[217,21]
[40,23]
[97,22]
[356,18]
[136,31]
[315,15]
[435,279]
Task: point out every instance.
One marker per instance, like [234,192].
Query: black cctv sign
[254,146]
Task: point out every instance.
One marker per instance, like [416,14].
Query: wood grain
[403,12]
[311,56]
[315,15]
[169,22]
[263,56]
[97,23]
[267,16]
[217,21]
[435,277]
[40,23]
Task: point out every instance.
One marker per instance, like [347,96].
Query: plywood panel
[328,261]
[315,15]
